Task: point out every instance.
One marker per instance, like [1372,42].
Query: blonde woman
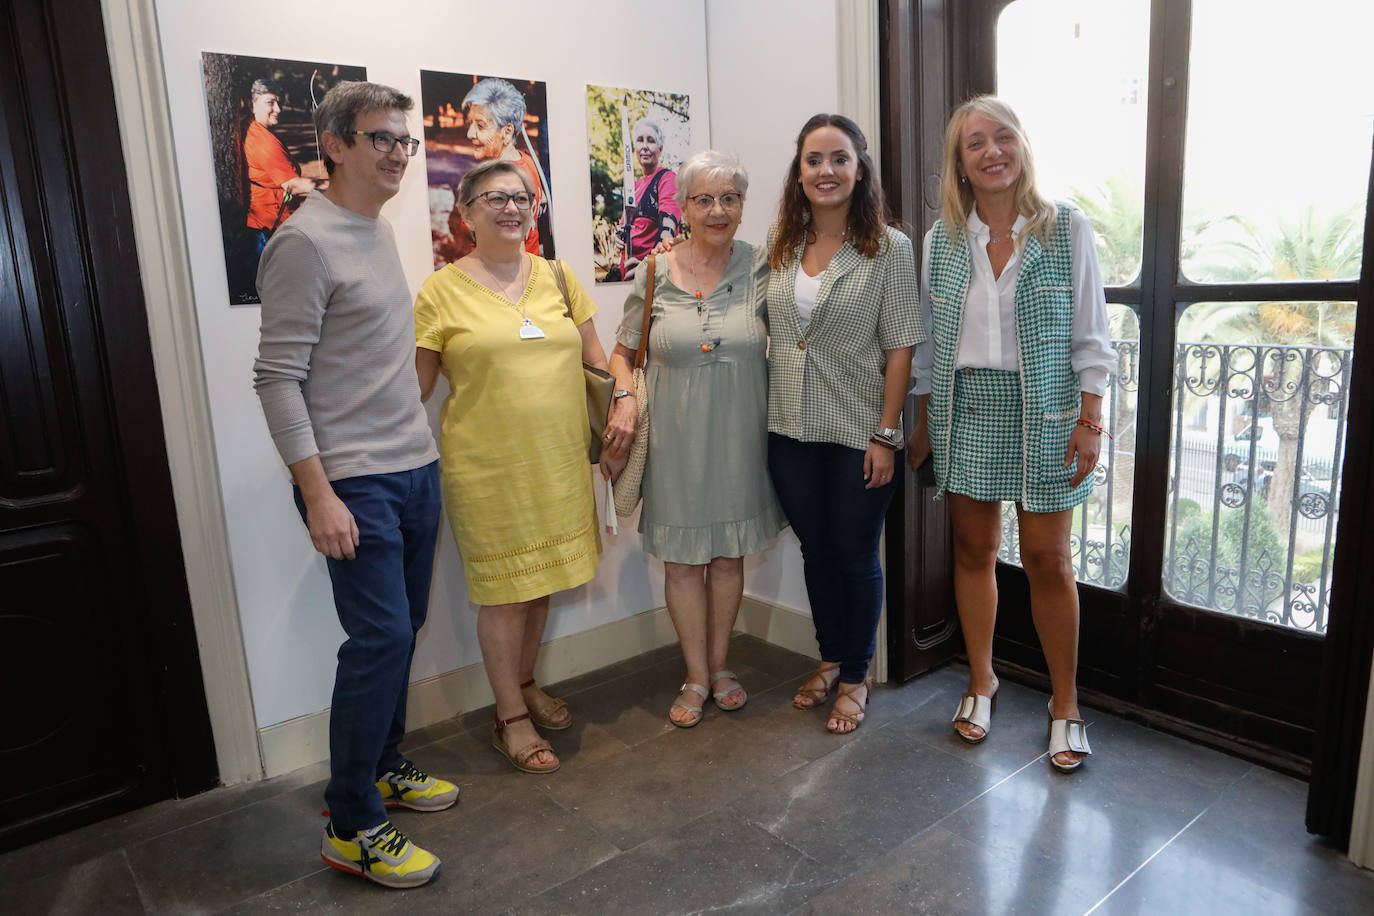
[1010,386]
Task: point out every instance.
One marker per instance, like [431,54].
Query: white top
[988,337]
[806,290]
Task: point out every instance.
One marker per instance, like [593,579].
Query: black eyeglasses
[383,142]
[497,200]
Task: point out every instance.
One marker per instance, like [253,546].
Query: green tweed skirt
[985,436]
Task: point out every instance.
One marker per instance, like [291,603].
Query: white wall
[759,94]
[772,66]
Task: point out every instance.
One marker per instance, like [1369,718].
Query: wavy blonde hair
[957,196]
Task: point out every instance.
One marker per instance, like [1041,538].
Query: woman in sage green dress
[708,501]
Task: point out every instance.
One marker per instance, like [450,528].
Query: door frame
[145,128]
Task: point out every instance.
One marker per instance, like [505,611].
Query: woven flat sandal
[696,711]
[521,759]
[855,719]
[975,709]
[811,697]
[725,674]
[555,717]
[1068,735]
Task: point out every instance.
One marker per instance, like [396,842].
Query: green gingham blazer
[827,385]
[1044,331]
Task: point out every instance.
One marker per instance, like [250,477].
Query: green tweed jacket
[827,385]
[1044,333]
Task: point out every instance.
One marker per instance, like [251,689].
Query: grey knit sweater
[336,359]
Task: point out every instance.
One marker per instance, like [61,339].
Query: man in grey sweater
[336,376]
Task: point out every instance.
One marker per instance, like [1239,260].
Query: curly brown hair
[868,217]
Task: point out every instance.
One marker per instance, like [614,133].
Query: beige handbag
[600,384]
[627,485]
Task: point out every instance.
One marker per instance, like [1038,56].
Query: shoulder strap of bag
[562,281]
[642,353]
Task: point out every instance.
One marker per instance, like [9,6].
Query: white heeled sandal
[1068,735]
[975,709]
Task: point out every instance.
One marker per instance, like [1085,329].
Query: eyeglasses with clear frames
[384,142]
[728,201]
[497,200]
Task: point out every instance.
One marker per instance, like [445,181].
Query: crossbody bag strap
[643,350]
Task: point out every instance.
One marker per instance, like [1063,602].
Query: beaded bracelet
[1095,428]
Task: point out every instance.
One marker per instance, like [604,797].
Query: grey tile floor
[758,811]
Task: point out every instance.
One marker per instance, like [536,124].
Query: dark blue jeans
[382,597]
[821,488]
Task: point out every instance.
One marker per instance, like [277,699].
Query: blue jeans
[382,597]
[821,488]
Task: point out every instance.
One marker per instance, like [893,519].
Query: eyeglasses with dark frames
[383,142]
[497,200]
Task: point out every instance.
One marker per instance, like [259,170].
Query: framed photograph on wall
[468,118]
[637,140]
[266,152]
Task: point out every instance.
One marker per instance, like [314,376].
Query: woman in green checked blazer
[843,316]
[1011,387]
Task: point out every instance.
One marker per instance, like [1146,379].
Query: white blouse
[988,337]
[806,289]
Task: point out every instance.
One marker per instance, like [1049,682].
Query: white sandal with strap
[725,674]
[1068,735]
[696,711]
[975,709]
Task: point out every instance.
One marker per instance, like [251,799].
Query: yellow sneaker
[411,787]
[386,856]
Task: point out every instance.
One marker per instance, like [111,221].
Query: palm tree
[1116,209]
[1311,247]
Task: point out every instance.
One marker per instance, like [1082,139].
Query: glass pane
[1075,71]
[1277,162]
[1101,538]
[1259,414]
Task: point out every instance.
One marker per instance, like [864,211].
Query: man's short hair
[264,87]
[340,107]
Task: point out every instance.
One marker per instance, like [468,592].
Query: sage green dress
[706,487]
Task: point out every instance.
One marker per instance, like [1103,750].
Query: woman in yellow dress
[513,442]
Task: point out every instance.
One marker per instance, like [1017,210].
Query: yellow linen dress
[513,433]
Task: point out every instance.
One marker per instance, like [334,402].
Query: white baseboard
[781,626]
[304,740]
[299,742]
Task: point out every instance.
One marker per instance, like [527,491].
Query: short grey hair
[500,98]
[264,87]
[340,107]
[475,176]
[652,125]
[709,165]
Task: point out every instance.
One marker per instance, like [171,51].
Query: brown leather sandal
[808,697]
[847,691]
[555,717]
[521,759]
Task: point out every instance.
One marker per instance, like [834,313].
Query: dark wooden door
[105,710]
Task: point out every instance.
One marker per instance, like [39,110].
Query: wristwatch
[891,434]
[622,393]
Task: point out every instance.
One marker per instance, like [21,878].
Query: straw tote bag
[628,484]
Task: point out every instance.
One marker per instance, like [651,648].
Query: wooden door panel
[33,458]
[65,653]
[97,656]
